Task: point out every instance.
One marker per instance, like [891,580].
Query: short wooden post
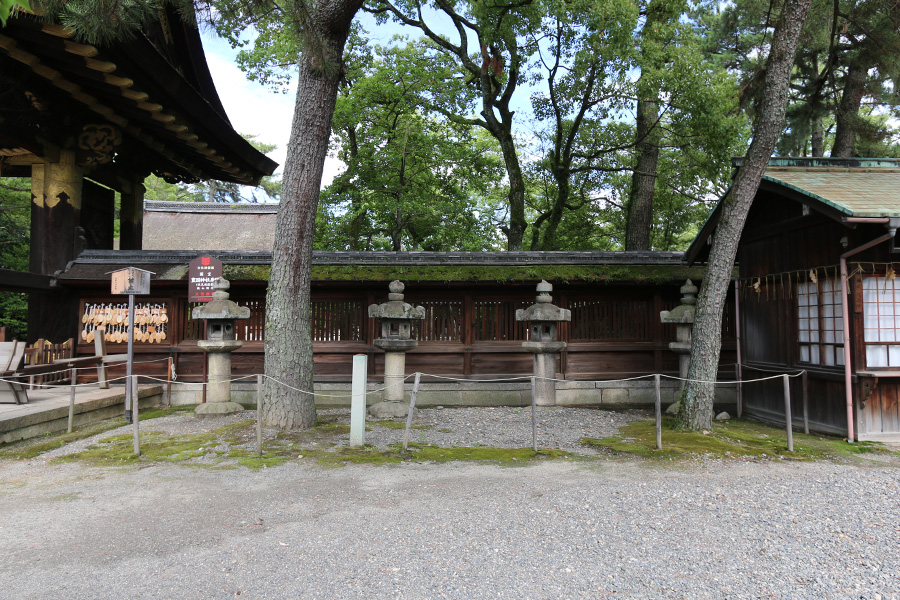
[789,425]
[358,400]
[658,412]
[412,407]
[259,414]
[100,350]
[74,376]
[805,403]
[169,383]
[135,401]
[533,414]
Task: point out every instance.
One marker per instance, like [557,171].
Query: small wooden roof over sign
[835,187]
[131,281]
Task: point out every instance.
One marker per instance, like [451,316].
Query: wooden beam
[19,281]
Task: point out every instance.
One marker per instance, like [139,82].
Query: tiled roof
[854,191]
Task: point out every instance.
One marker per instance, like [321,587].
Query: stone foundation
[568,393]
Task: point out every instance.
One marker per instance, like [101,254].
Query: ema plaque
[203,272]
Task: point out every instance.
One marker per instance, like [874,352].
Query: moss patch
[444,273]
[29,449]
[733,439]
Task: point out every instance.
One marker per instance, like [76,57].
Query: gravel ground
[558,529]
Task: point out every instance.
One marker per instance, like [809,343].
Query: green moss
[445,273]
[35,447]
[155,447]
[732,439]
[560,273]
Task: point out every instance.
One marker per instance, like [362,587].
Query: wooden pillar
[61,211]
[56,188]
[36,251]
[131,218]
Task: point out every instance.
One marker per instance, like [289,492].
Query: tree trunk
[289,403]
[697,400]
[502,131]
[643,180]
[847,114]
[818,137]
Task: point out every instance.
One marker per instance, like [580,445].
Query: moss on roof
[649,274]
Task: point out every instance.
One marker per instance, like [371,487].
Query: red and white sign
[202,274]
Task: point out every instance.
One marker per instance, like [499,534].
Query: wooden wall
[470,331]
[780,239]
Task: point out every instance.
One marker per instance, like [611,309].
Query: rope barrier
[381,389]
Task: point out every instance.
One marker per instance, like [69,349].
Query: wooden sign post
[131,281]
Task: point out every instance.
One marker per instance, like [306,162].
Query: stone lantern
[682,317]
[220,313]
[396,339]
[544,317]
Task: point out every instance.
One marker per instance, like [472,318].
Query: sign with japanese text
[130,281]
[202,274]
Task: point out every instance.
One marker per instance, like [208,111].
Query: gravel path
[602,529]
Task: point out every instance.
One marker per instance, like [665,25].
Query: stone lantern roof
[543,309]
[395,308]
[220,307]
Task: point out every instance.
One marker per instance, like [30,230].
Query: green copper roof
[855,191]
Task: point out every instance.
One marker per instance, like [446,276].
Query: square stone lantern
[544,317]
[220,313]
[396,339]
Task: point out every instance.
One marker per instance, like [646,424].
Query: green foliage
[210,190]
[15,219]
[396,156]
[107,21]
[8,6]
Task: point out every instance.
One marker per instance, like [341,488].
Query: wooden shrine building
[818,292]
[85,122]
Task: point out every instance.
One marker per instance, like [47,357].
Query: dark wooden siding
[468,332]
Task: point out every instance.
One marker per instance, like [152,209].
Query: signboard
[202,274]
[131,281]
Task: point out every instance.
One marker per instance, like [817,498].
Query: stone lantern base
[218,394]
[394,405]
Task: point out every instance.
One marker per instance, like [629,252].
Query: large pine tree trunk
[289,358]
[643,180]
[847,114]
[697,401]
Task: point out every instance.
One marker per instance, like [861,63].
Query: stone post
[542,341]
[396,340]
[220,314]
[682,317]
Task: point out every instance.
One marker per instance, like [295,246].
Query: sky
[257,110]
[254,109]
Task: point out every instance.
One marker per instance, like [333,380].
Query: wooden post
[72,400]
[169,382]
[135,400]
[789,425]
[739,375]
[533,414]
[658,412]
[805,403]
[259,414]
[412,407]
[100,350]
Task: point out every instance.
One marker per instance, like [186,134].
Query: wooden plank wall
[615,332]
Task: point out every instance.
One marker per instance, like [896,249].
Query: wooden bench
[12,390]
